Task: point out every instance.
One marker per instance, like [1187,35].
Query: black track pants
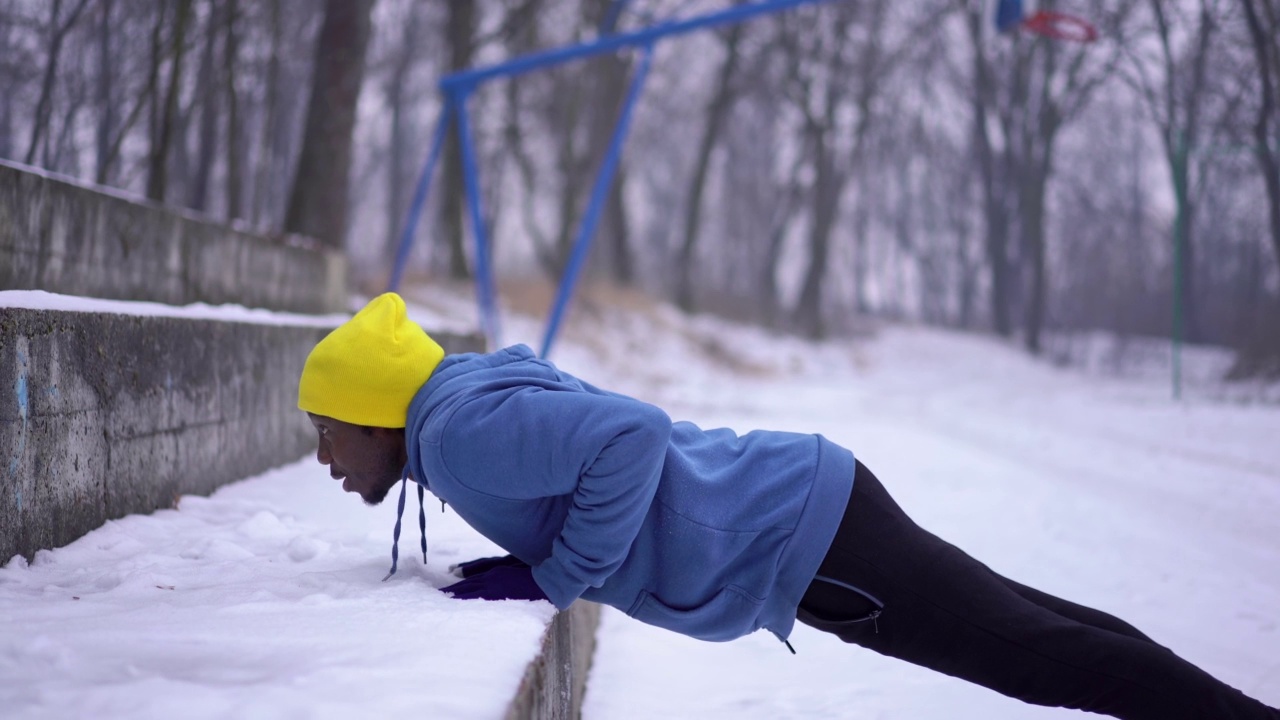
[890,586]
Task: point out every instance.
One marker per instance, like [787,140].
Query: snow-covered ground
[264,600]
[1103,491]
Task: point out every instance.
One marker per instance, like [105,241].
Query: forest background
[808,171]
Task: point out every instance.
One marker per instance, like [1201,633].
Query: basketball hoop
[1061,26]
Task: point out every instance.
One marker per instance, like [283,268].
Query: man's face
[367,460]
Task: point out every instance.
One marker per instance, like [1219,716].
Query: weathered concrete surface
[555,682]
[104,415]
[58,236]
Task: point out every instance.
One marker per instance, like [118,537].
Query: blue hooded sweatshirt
[703,532]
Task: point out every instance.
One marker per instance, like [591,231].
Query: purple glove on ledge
[471,568]
[500,583]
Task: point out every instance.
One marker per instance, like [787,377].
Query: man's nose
[322,453]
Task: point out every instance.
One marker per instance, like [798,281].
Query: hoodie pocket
[856,606]
[729,614]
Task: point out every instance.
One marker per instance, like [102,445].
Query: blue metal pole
[420,196]
[604,180]
[610,43]
[471,181]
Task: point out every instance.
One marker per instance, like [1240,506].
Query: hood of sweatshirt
[423,404]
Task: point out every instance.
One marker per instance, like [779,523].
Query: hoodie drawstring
[395,534]
[422,525]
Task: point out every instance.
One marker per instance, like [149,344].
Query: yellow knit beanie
[367,371]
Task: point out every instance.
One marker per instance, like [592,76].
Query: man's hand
[472,568]
[501,583]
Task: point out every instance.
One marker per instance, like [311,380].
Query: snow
[42,300]
[1103,491]
[265,600]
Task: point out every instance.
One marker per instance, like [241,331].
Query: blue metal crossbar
[613,43]
[458,87]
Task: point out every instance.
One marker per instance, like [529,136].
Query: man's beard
[379,493]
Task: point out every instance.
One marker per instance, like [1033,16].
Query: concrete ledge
[104,415]
[60,236]
[556,681]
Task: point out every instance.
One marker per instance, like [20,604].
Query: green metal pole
[1179,257]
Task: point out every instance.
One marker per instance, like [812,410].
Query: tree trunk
[1180,169]
[617,228]
[461,26]
[861,257]
[144,101]
[717,113]
[1034,231]
[1180,135]
[44,106]
[198,198]
[235,172]
[770,304]
[270,147]
[994,209]
[1266,129]
[106,101]
[6,125]
[827,188]
[610,80]
[318,205]
[399,182]
[571,171]
[1038,167]
[159,158]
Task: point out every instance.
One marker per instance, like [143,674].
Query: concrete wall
[555,682]
[59,236]
[104,415]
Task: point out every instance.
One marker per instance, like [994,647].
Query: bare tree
[207,134]
[717,114]
[1263,18]
[231,63]
[394,90]
[1049,84]
[318,205]
[1175,102]
[833,77]
[461,30]
[272,147]
[993,176]
[607,78]
[105,96]
[58,28]
[166,120]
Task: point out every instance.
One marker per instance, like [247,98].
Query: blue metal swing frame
[457,88]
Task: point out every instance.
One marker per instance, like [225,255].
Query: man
[703,532]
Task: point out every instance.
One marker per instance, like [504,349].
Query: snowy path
[1104,492]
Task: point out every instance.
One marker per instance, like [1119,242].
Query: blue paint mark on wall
[20,389]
